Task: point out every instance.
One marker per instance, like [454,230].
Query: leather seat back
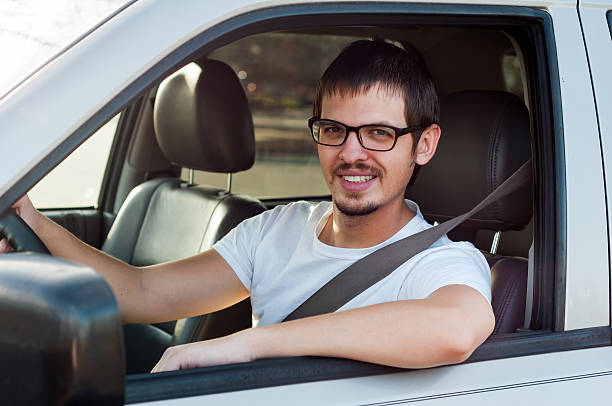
[485,138]
[166,219]
[202,121]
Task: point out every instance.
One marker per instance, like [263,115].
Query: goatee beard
[368,208]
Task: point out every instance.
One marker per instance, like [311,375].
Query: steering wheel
[19,234]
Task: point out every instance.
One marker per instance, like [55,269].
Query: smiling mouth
[357,179]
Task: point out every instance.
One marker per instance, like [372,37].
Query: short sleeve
[238,247]
[453,264]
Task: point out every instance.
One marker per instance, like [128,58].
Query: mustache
[359,166]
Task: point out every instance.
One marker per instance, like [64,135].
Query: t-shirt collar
[416,224]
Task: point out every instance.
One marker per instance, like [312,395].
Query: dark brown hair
[364,64]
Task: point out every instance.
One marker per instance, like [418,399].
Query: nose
[352,151]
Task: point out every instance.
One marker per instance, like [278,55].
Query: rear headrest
[485,138]
[202,119]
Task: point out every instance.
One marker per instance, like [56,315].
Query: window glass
[33,30]
[511,69]
[76,181]
[280,85]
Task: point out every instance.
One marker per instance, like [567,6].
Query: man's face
[362,181]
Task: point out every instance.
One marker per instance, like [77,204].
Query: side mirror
[60,338]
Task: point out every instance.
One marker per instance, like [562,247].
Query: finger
[23,206]
[5,246]
[165,362]
[160,364]
[157,367]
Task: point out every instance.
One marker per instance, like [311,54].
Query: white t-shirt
[279,258]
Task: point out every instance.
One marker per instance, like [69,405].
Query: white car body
[51,112]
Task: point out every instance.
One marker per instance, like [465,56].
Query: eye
[379,132]
[331,129]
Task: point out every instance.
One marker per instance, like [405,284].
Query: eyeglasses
[375,137]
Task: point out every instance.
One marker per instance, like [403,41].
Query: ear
[426,148]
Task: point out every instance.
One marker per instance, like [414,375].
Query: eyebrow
[383,122]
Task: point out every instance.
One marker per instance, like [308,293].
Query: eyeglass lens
[375,137]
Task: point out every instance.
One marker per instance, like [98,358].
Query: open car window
[502,59]
[280,97]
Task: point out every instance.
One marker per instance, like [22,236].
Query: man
[375,119]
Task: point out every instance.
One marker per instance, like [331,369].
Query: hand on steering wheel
[19,235]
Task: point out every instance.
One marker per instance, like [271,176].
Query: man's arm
[444,328]
[197,285]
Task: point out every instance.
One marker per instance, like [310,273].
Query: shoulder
[451,263]
[298,209]
[292,214]
[449,251]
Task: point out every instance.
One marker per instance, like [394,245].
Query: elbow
[461,339]
[458,349]
[451,347]
[450,339]
[455,348]
[447,349]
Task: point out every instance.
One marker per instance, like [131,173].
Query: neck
[346,231]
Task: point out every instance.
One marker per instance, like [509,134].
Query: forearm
[196,285]
[408,334]
[445,328]
[125,280]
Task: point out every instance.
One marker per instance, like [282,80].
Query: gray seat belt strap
[372,268]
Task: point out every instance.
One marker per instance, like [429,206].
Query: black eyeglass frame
[398,132]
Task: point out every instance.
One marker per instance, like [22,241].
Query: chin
[362,209]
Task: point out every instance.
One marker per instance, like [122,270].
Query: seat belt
[370,269]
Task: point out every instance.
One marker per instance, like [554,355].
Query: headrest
[485,138]
[202,119]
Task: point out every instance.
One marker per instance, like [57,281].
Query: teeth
[357,179]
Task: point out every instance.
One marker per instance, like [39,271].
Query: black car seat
[202,121]
[485,138]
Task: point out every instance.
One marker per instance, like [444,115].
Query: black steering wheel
[19,234]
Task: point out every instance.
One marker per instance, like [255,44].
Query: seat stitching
[507,298]
[493,154]
[142,219]
[212,213]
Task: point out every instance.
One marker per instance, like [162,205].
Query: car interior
[202,150]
